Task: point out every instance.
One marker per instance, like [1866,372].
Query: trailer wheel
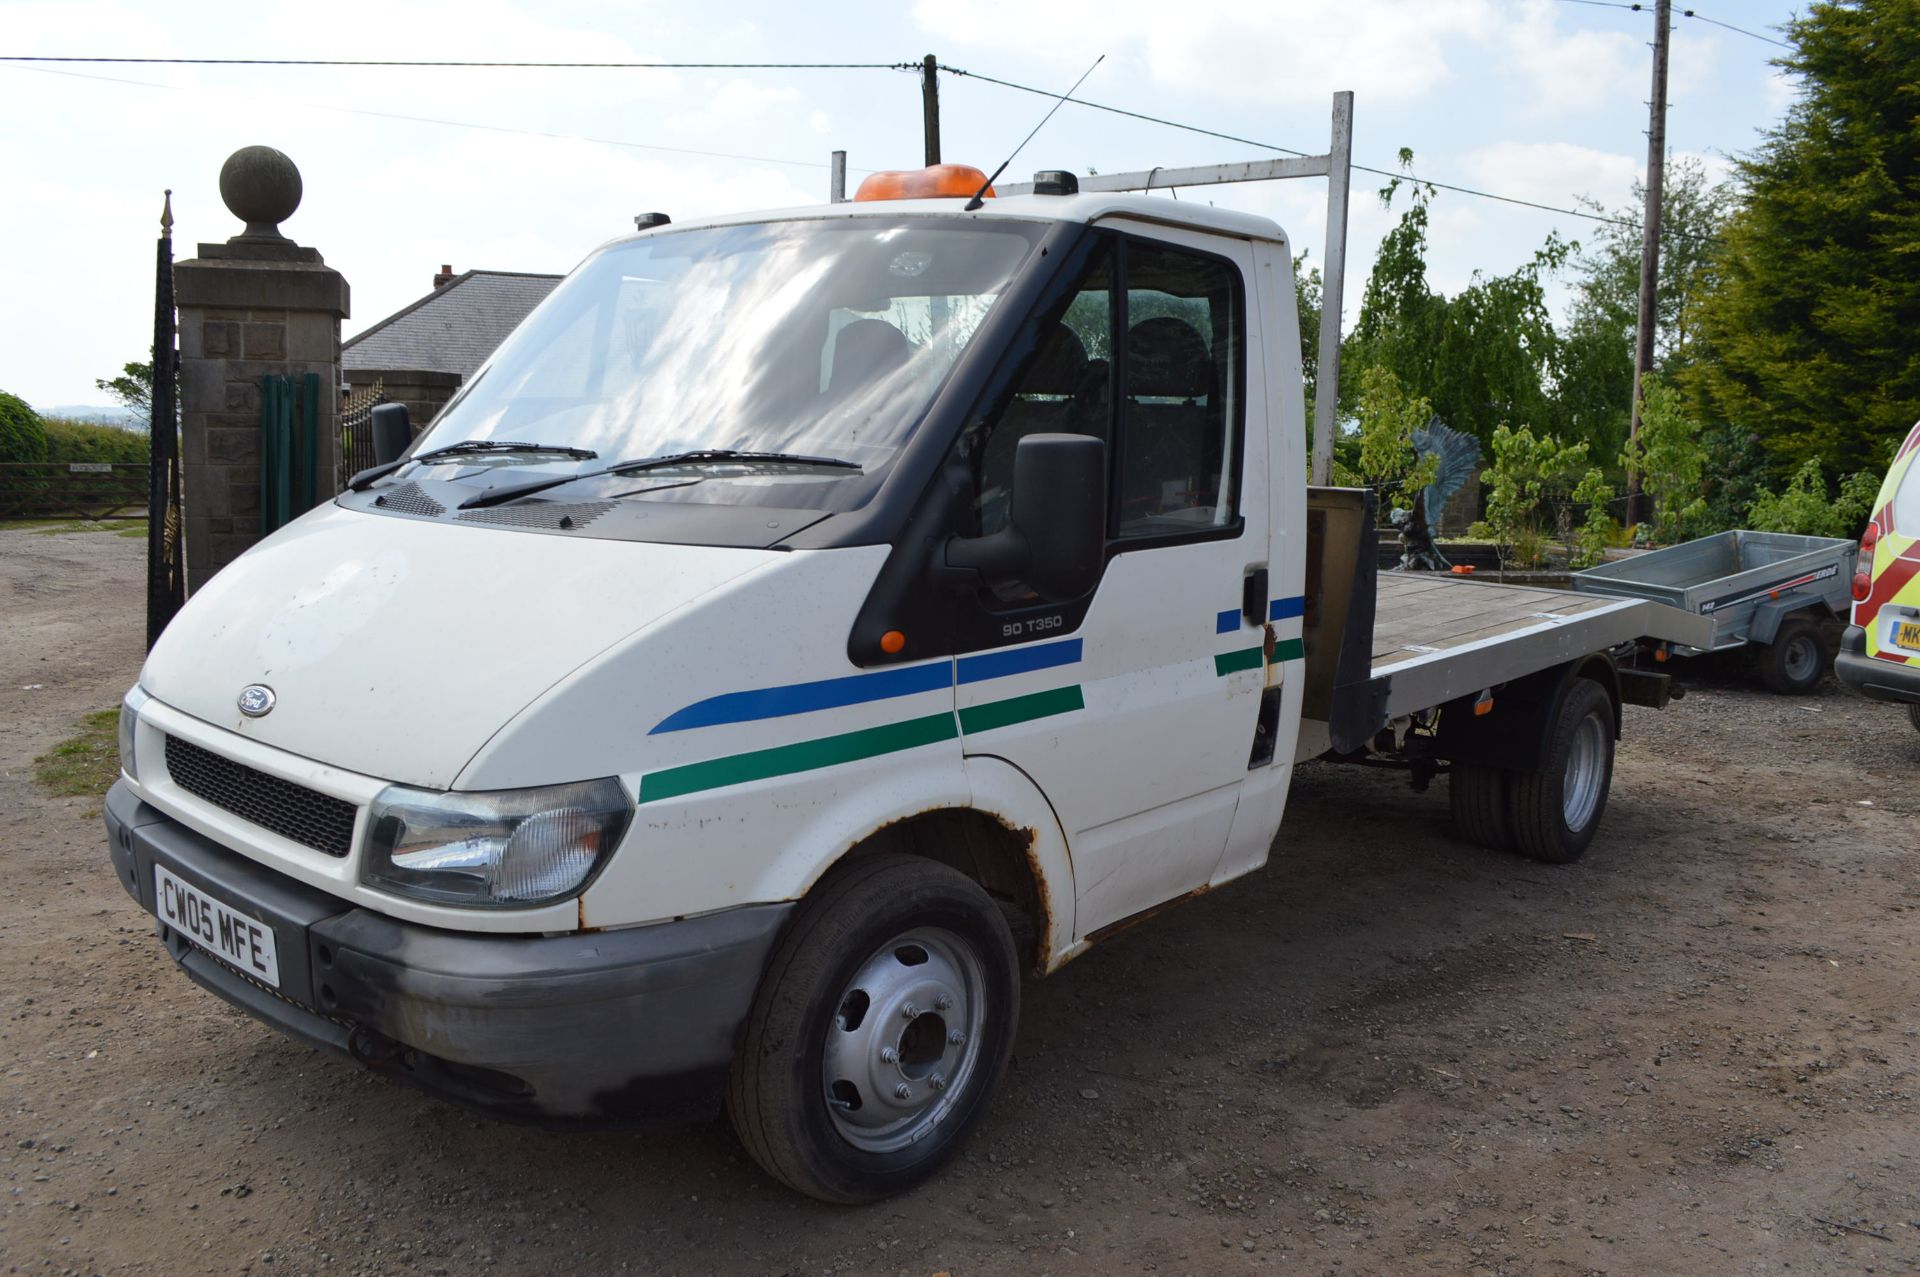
[879,1032]
[1478,798]
[1796,660]
[1555,811]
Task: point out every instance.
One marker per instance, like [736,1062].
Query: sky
[528,170]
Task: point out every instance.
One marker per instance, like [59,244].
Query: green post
[310,417]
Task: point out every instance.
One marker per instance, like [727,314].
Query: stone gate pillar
[256,305]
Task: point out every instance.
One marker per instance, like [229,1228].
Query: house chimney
[444,278]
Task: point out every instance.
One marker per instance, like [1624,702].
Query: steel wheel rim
[1803,659]
[1586,763]
[904,1040]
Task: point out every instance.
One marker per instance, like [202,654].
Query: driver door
[1135,708]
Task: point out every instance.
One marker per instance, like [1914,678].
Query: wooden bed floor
[1418,613]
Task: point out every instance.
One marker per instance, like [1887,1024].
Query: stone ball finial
[262,188]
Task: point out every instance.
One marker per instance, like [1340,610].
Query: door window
[1173,429]
[1179,415]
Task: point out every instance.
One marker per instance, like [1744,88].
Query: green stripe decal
[808,755]
[1248,658]
[1225,663]
[1021,709]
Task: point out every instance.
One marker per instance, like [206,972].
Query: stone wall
[424,393]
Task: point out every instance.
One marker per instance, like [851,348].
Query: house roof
[453,328]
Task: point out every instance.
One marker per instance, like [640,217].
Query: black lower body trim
[588,1028]
[1874,679]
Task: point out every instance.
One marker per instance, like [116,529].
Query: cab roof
[1084,208]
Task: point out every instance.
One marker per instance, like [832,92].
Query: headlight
[129,719]
[496,850]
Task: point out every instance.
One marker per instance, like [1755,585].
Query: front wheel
[1554,812]
[879,1032]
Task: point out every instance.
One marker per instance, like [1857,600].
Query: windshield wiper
[503,445]
[481,447]
[727,454]
[496,496]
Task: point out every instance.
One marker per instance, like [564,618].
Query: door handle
[1253,597]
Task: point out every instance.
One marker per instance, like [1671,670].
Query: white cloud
[1550,172]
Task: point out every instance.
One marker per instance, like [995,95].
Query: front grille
[292,811]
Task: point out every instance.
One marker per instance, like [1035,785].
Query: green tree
[1486,355]
[1531,483]
[1672,461]
[133,388]
[1810,325]
[22,437]
[1595,388]
[1308,290]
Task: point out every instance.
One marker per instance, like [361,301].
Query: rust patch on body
[1042,898]
[1133,919]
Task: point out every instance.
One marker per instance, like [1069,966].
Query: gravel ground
[1387,1053]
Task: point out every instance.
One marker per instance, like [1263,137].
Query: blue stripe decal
[1227,622]
[804,698]
[1019,660]
[1284,609]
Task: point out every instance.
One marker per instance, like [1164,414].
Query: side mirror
[1056,531]
[391,432]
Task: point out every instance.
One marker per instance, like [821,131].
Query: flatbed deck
[1438,637]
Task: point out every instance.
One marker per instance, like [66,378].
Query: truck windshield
[824,338]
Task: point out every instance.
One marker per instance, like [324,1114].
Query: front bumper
[1875,679]
[630,1025]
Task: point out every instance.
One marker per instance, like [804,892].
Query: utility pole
[930,105]
[1650,245]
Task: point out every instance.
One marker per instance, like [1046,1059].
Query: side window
[1180,408]
[1063,391]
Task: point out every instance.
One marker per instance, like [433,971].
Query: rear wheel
[1555,812]
[1796,660]
[1478,798]
[881,1028]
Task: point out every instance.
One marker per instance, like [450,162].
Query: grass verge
[86,765]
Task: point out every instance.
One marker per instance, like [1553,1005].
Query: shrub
[1802,507]
[89,441]
[22,437]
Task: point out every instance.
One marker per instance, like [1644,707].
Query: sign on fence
[89,467]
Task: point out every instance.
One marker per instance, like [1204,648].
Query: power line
[441,62]
[455,124]
[1269,146]
[1685,13]
[1729,26]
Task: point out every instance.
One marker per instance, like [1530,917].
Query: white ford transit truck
[803,626]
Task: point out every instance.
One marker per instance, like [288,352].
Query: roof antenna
[976,201]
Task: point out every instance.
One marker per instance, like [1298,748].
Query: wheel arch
[1516,733]
[1002,834]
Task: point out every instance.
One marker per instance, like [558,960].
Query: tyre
[1796,660]
[1478,798]
[1553,813]
[879,1032]
[1913,716]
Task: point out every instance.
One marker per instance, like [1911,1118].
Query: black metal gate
[356,432]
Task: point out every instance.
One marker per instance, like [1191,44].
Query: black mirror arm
[968,564]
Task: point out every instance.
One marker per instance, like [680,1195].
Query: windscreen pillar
[254,307]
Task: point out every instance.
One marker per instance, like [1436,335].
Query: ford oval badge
[256,700]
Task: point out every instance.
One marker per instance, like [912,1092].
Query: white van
[803,625]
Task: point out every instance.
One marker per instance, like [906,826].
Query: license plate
[1907,634]
[226,933]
